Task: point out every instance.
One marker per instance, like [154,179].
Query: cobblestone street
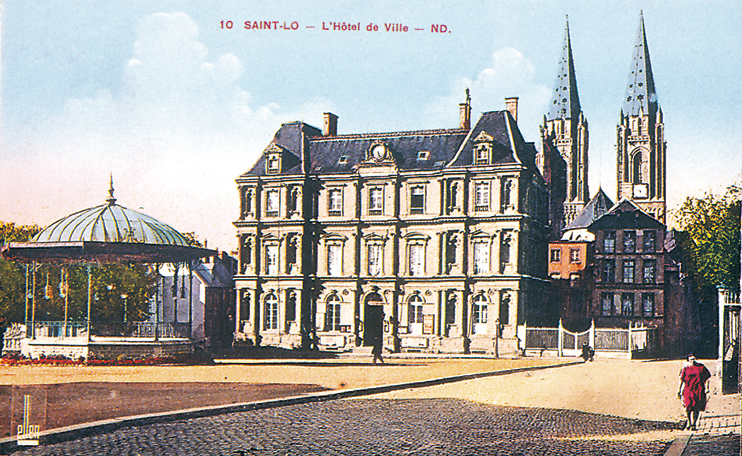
[379,427]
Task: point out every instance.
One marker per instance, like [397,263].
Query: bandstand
[108,233]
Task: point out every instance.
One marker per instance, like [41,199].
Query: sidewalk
[719,429]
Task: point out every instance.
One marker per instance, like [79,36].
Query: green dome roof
[111,223]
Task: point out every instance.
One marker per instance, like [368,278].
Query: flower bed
[18,360]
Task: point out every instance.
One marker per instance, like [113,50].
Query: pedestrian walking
[693,378]
[587,352]
[376,351]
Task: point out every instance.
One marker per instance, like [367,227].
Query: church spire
[565,103]
[641,96]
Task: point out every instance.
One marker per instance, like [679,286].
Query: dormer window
[343,160]
[483,149]
[423,155]
[273,164]
[482,154]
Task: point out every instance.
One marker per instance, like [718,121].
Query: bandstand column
[33,302]
[90,297]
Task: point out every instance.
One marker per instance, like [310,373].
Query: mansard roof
[565,102]
[641,95]
[599,205]
[625,215]
[445,148]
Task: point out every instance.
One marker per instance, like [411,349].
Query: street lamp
[124,297]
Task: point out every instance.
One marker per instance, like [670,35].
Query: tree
[115,287]
[710,242]
[712,224]
[13,275]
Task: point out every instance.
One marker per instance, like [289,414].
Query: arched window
[332,317]
[636,171]
[271,312]
[415,314]
[479,317]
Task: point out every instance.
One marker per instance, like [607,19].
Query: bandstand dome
[106,233]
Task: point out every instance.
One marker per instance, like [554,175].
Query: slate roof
[445,147]
[597,206]
[565,102]
[640,90]
[625,215]
[326,152]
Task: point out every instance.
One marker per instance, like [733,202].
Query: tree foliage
[712,226]
[114,287]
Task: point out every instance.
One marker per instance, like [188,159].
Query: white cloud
[509,74]
[175,136]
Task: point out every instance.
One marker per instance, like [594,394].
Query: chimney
[512,105]
[331,125]
[465,113]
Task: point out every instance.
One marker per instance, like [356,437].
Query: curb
[58,435]
[677,447]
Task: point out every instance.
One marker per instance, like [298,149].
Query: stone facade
[433,240]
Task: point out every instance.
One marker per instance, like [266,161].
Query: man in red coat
[693,379]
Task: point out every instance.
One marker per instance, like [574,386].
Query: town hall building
[431,240]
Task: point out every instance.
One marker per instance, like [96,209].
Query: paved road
[379,427]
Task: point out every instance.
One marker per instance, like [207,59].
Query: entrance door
[373,321]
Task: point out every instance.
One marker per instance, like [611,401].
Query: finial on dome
[111,200]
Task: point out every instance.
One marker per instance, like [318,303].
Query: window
[609,271]
[332,317]
[336,202]
[609,242]
[650,271]
[481,257]
[343,160]
[648,304]
[482,154]
[271,259]
[374,259]
[271,206]
[334,260]
[417,200]
[376,201]
[555,256]
[415,309]
[629,241]
[606,300]
[294,200]
[274,164]
[479,317]
[482,197]
[628,271]
[423,155]
[627,304]
[417,259]
[574,255]
[271,312]
[650,240]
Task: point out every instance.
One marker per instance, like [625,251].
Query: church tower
[640,148]
[565,134]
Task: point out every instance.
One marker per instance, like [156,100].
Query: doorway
[373,321]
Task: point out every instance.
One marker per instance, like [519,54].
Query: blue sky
[176,106]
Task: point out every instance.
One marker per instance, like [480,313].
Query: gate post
[592,334]
[560,338]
